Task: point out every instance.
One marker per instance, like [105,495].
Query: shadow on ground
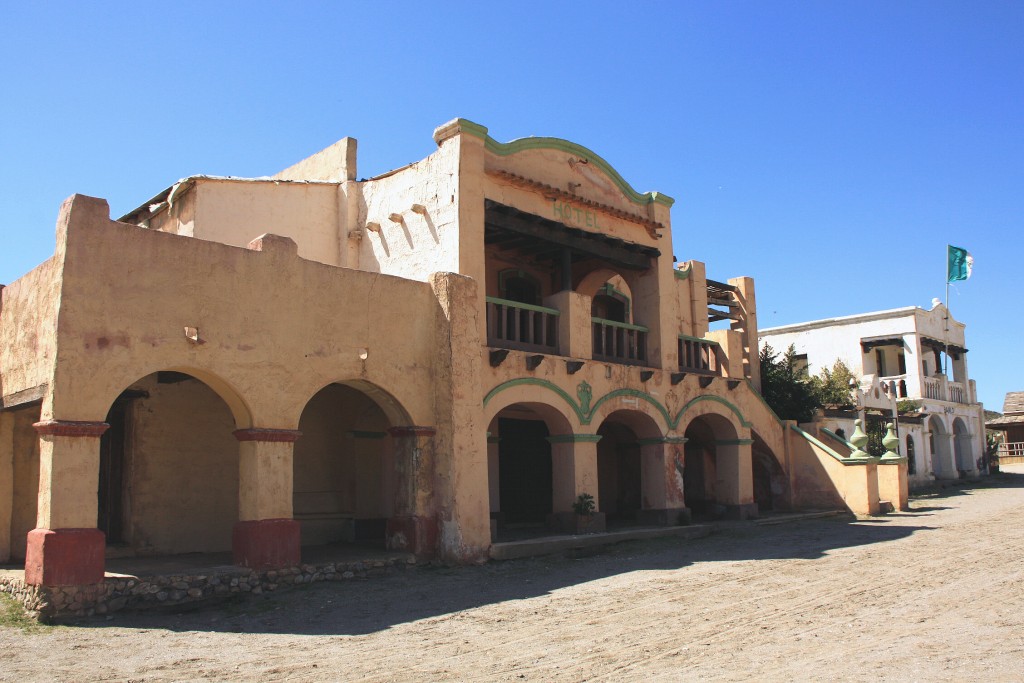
[363,607]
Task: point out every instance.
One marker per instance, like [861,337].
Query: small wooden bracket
[497,357]
[533,361]
[646,375]
[705,382]
[677,377]
[732,383]
[573,366]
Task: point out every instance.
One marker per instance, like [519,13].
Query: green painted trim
[574,438]
[683,273]
[522,144]
[474,129]
[585,418]
[829,432]
[633,393]
[609,290]
[710,397]
[517,304]
[536,381]
[757,394]
[357,434]
[615,323]
[686,337]
[734,442]
[829,451]
[662,440]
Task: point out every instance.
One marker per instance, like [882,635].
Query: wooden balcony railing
[699,356]
[515,325]
[619,342]
[1010,453]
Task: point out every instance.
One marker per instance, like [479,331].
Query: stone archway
[621,464]
[718,473]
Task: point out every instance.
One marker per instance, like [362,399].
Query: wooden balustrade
[699,356]
[619,342]
[515,325]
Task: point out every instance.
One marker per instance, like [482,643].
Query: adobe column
[661,473]
[574,472]
[735,485]
[413,527]
[66,548]
[266,536]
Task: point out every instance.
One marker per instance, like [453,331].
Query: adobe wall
[28,321]
[273,328]
[417,244]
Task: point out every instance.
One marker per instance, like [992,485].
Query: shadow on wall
[367,607]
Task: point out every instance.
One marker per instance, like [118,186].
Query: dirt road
[934,594]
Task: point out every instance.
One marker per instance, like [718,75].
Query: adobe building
[428,358]
[1011,425]
[909,356]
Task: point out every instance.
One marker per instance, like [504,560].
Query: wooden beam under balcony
[501,220]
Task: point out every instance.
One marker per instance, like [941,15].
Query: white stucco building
[904,354]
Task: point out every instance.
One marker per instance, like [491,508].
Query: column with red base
[266,536]
[413,527]
[66,548]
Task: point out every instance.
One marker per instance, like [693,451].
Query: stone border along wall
[155,592]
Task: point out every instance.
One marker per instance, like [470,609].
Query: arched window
[911,461]
[610,304]
[518,285]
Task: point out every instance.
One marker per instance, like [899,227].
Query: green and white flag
[959,263]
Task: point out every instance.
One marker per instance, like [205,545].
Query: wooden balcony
[619,342]
[699,356]
[515,325]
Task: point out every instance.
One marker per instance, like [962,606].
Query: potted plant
[584,507]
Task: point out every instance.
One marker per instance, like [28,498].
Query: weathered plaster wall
[28,322]
[182,468]
[24,477]
[420,243]
[273,328]
[237,212]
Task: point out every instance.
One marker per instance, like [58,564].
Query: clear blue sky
[830,149]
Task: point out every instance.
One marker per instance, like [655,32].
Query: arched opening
[939,446]
[962,448]
[344,465]
[518,285]
[771,485]
[911,457]
[24,444]
[618,472]
[520,465]
[700,470]
[168,475]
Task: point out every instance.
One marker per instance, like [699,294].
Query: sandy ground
[933,594]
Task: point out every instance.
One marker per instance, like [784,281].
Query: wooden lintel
[618,255]
[24,397]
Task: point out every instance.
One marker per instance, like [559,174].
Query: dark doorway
[524,471]
[618,466]
[111,485]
